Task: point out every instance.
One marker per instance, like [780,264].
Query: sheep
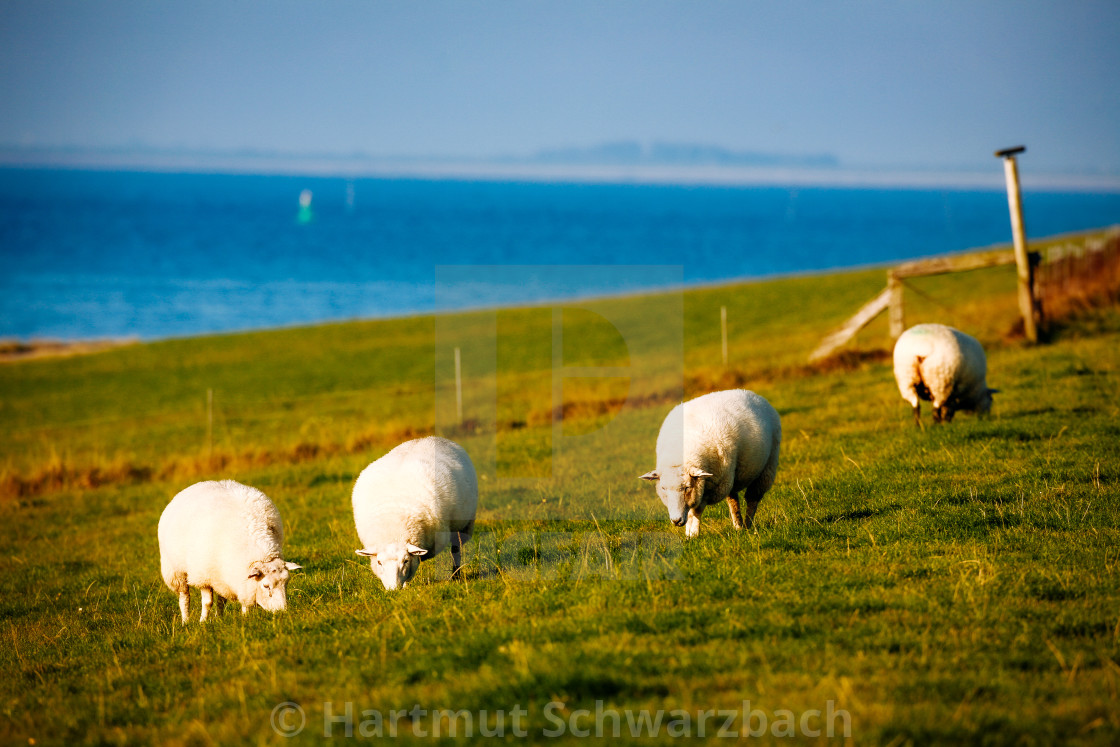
[944,366]
[225,538]
[412,503]
[712,448]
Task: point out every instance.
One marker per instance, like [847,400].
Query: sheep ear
[255,570]
[366,553]
[697,473]
[415,550]
[652,476]
[292,566]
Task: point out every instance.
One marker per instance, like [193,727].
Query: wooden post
[894,305]
[458,387]
[1018,233]
[723,332]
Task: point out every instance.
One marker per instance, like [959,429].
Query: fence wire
[1079,272]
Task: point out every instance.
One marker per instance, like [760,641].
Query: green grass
[948,585]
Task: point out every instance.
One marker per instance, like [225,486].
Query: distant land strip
[608,163]
[16,350]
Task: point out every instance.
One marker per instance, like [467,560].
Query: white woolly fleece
[945,365]
[212,532]
[421,493]
[733,436]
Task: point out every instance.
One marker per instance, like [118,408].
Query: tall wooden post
[458,387]
[723,332]
[894,305]
[1019,234]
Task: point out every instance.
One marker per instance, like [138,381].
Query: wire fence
[1079,273]
[1071,274]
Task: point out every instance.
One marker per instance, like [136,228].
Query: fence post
[723,332]
[1022,260]
[458,387]
[894,305]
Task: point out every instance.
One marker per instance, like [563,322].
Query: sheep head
[984,406]
[395,563]
[268,582]
[680,489]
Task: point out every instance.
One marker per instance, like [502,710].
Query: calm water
[90,254]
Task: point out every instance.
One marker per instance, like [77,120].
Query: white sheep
[227,539]
[943,366]
[712,448]
[412,503]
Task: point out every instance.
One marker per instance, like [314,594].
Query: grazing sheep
[944,366]
[711,448]
[413,502]
[225,538]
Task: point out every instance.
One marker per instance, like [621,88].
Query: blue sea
[94,254]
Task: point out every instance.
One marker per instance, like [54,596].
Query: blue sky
[881,85]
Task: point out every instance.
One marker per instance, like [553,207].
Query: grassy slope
[948,585]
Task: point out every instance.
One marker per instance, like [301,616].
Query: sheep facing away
[412,503]
[943,366]
[712,448]
[226,539]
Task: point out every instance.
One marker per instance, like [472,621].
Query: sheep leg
[466,532]
[692,525]
[752,506]
[219,604]
[207,600]
[918,416]
[757,489]
[456,554]
[185,605]
[461,538]
[733,504]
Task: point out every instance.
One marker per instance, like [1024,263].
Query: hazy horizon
[809,170]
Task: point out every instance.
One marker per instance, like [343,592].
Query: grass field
[948,585]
